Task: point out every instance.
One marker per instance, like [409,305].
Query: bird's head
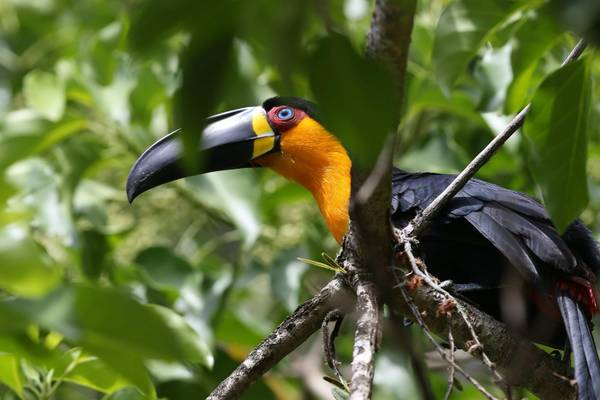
[283,134]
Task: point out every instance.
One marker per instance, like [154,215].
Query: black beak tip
[132,190]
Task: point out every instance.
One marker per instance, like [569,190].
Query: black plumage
[502,252]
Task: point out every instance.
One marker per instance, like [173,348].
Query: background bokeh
[100,299]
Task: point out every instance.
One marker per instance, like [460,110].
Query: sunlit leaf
[109,321]
[24,347]
[59,133]
[462,29]
[532,41]
[25,269]
[45,93]
[10,374]
[97,375]
[41,191]
[148,94]
[556,129]
[235,194]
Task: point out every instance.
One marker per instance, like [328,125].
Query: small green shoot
[329,264]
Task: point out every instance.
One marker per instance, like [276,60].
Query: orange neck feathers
[314,158]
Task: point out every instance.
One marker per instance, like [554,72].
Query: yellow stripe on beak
[261,128]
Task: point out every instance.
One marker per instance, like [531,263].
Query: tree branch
[366,341]
[366,259]
[291,333]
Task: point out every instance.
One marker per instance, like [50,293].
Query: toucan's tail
[587,364]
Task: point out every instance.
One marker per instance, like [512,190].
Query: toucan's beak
[230,140]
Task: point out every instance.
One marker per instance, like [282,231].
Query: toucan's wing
[517,225]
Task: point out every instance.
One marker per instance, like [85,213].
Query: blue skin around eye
[285,113]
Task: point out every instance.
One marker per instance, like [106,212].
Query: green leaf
[125,394]
[359,101]
[463,28]
[25,269]
[45,93]
[13,148]
[533,40]
[155,20]
[95,374]
[163,269]
[279,43]
[132,368]
[23,346]
[40,185]
[206,67]
[231,330]
[235,194]
[147,95]
[108,321]
[59,133]
[556,129]
[93,253]
[10,374]
[321,265]
[424,95]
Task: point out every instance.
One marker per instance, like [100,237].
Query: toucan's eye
[285,114]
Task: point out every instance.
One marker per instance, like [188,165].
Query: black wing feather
[540,239]
[516,224]
[508,244]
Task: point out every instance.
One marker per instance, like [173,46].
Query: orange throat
[314,158]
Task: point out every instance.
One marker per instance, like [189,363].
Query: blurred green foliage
[162,299]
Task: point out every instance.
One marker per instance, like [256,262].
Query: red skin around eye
[281,125]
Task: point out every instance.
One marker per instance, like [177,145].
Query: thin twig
[447,296]
[451,369]
[478,346]
[422,221]
[329,344]
[403,337]
[428,334]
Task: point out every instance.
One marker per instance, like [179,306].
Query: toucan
[497,247]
